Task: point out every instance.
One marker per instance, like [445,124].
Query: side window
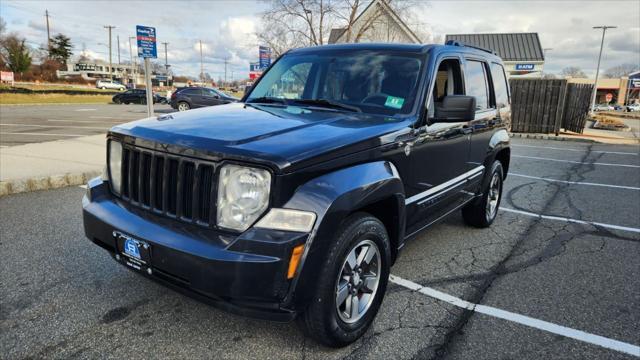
[476,81]
[499,85]
[448,82]
[292,82]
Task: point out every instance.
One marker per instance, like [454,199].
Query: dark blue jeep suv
[296,201]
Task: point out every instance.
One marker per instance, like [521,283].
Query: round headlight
[243,195]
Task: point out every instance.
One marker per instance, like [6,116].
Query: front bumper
[244,273]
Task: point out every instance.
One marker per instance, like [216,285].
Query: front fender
[333,197]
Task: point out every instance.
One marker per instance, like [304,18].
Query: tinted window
[209,92]
[477,84]
[499,85]
[190,92]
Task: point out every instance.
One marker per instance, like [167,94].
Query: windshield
[373,82]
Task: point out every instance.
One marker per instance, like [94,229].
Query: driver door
[439,155]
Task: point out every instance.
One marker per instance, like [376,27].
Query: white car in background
[109,84]
[603,107]
[633,107]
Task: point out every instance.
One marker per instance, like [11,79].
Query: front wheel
[351,284]
[482,212]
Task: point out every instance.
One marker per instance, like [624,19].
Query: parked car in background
[633,107]
[603,107]
[297,201]
[109,84]
[195,97]
[137,96]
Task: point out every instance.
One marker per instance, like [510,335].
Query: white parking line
[85,109]
[576,150]
[575,182]
[57,126]
[83,186]
[575,221]
[574,162]
[102,117]
[40,134]
[89,121]
[520,319]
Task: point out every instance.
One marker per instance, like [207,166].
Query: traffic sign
[146,36]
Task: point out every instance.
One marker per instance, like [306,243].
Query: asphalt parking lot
[556,276]
[23,124]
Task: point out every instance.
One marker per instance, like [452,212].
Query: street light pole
[595,84]
[110,27]
[133,62]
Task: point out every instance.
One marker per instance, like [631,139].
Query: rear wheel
[183,106]
[482,212]
[351,284]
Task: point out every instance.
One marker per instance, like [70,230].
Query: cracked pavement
[63,297]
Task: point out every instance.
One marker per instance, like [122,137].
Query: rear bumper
[244,274]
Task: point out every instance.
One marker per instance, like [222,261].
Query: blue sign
[265,57]
[146,36]
[525,66]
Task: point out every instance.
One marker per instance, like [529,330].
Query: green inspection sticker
[394,102]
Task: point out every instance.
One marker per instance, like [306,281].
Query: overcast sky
[227,27]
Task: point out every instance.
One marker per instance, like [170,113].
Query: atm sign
[525,66]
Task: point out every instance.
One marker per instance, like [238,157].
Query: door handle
[466,129]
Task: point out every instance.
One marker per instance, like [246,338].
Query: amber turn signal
[296,254]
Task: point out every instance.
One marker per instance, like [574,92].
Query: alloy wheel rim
[358,281]
[494,196]
[182,107]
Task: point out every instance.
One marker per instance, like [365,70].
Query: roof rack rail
[460,43]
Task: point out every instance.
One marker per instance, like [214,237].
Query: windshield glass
[374,82]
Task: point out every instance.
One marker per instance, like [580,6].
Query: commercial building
[621,91]
[92,70]
[522,53]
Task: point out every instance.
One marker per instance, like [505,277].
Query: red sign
[609,97]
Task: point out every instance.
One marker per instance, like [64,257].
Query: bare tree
[573,71]
[621,70]
[296,23]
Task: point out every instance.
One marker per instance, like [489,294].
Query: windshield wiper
[327,103]
[265,100]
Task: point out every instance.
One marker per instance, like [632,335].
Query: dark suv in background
[297,201]
[136,96]
[195,97]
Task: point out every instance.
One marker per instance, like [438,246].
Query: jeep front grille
[178,187]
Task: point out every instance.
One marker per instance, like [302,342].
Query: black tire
[478,213]
[183,106]
[126,103]
[117,101]
[321,320]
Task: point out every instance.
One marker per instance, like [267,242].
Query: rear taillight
[174,95]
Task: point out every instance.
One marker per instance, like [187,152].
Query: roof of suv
[414,48]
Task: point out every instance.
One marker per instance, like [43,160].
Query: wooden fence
[546,106]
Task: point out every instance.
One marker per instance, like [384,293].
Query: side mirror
[216,96]
[456,108]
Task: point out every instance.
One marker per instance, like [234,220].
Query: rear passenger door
[478,84]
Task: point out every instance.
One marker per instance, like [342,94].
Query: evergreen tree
[60,49]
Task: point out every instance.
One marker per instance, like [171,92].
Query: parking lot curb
[10,187]
[550,137]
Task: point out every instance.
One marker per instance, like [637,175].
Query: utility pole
[46,15]
[225,70]
[118,36]
[166,58]
[595,84]
[132,62]
[201,65]
[110,27]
